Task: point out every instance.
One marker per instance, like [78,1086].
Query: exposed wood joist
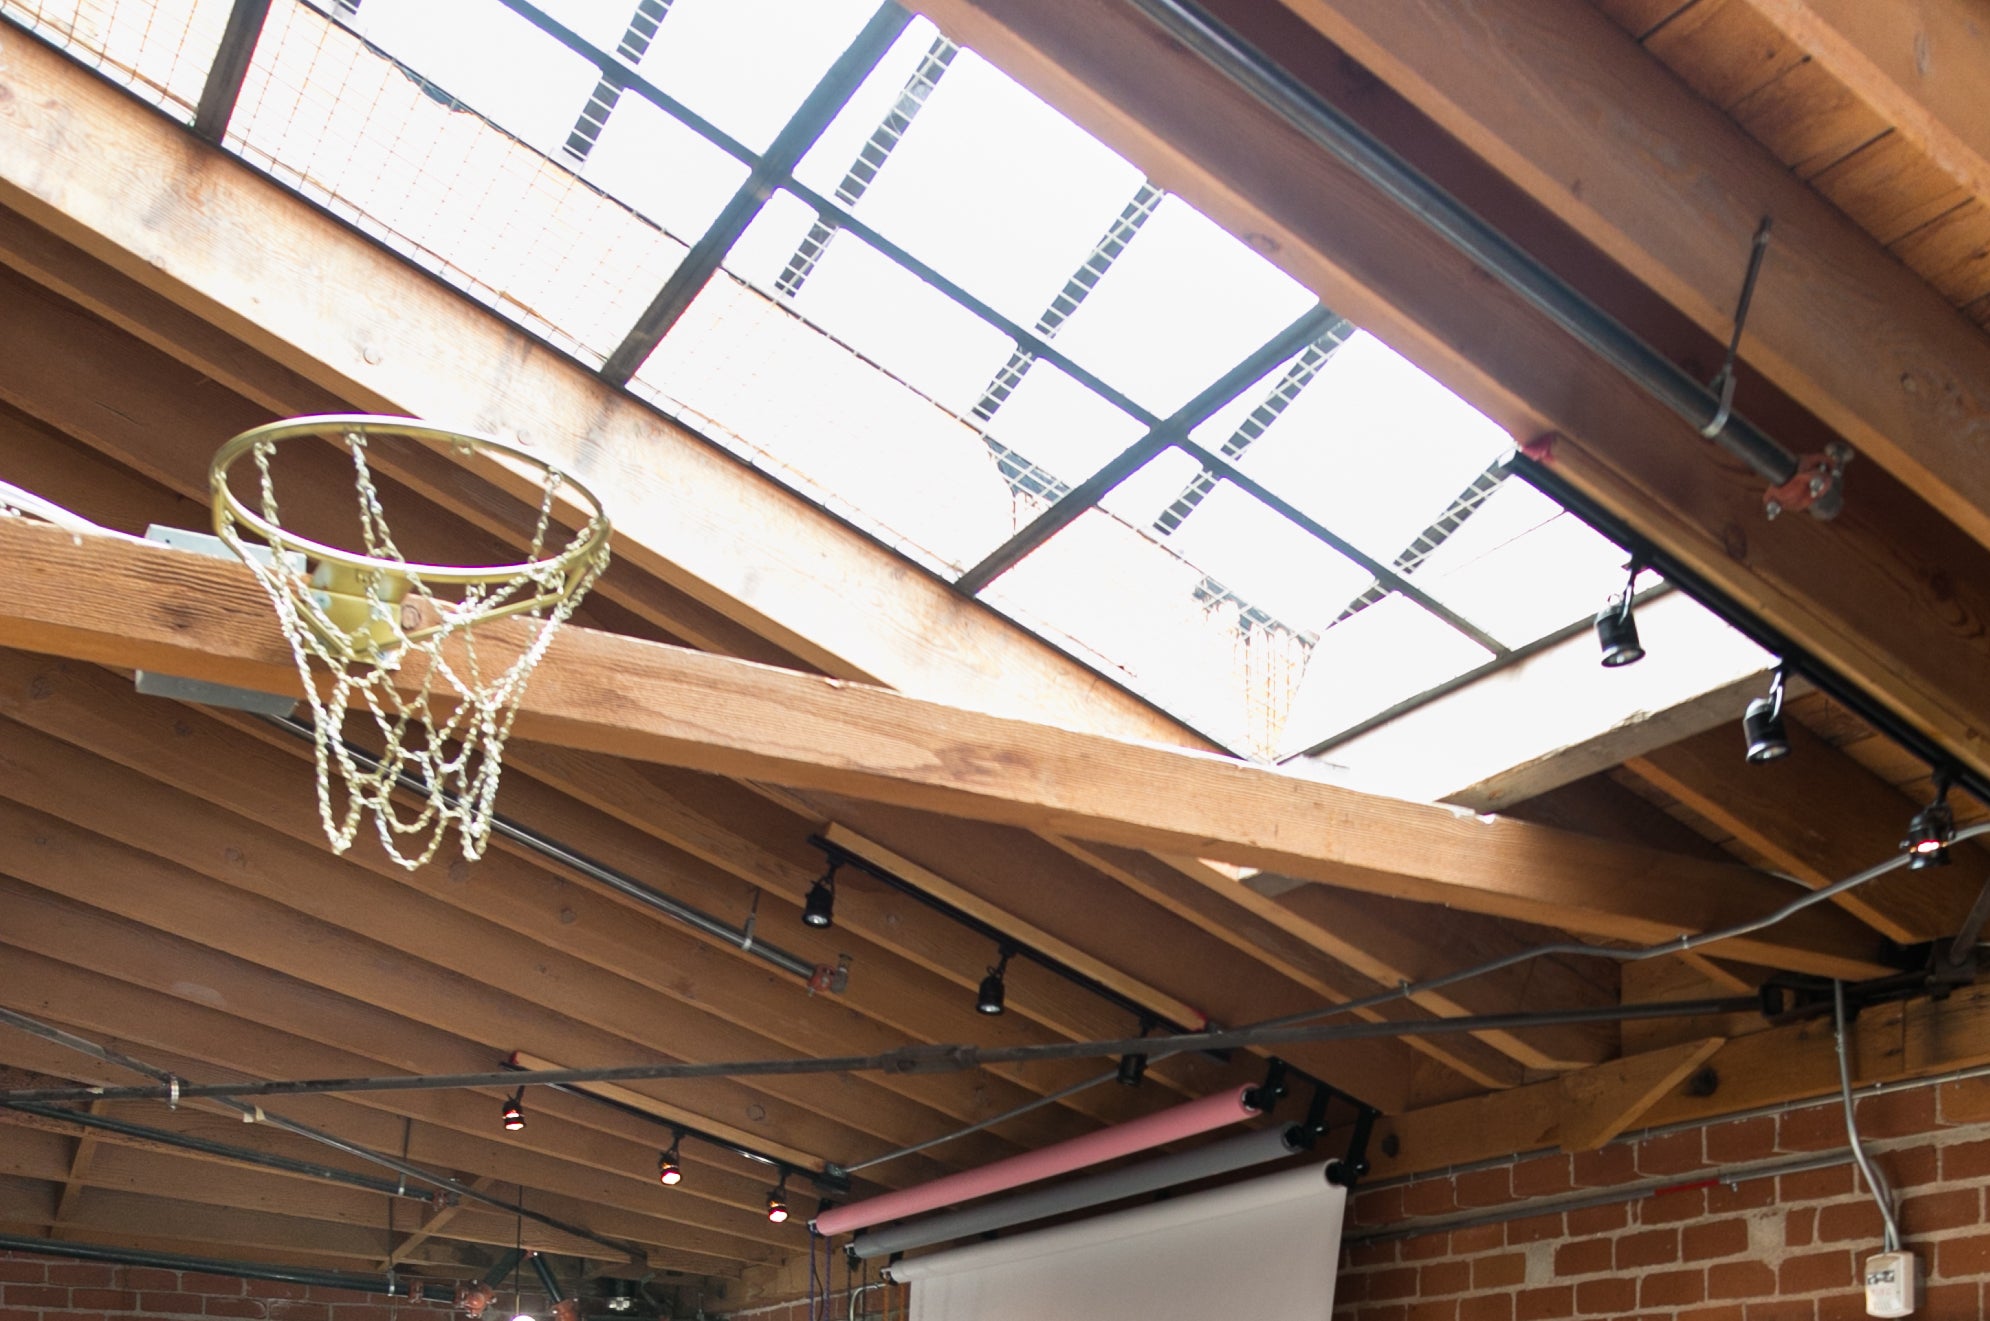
[689,514]
[120,602]
[1890,594]
[80,1162]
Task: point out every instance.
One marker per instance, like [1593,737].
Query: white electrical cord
[1875,1182]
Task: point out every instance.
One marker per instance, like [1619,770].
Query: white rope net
[441,723]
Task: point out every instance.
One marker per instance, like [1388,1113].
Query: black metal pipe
[919,1059]
[223,1151]
[598,872]
[544,1270]
[1353,146]
[360,1282]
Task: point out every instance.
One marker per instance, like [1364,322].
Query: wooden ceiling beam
[573,1156]
[102,174]
[1819,816]
[118,602]
[1562,102]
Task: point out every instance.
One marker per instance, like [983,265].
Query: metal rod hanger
[905,1060]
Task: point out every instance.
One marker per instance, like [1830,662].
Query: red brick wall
[1781,1248]
[54,1289]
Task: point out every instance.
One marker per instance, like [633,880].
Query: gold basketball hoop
[355,621]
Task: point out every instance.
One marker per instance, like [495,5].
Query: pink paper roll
[1153,1130]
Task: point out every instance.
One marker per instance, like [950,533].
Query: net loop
[394,647]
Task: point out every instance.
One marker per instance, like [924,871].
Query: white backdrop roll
[1265,1248]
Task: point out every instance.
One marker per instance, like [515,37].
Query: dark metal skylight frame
[1306,344]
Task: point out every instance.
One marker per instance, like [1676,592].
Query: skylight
[868,263]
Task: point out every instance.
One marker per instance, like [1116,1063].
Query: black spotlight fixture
[1132,1068]
[1762,724]
[514,1111]
[777,1200]
[819,909]
[669,1172]
[1932,830]
[989,999]
[1616,629]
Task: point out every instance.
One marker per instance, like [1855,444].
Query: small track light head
[668,1172]
[1929,835]
[988,1000]
[513,1114]
[819,909]
[1762,725]
[1617,634]
[777,1201]
[1132,1068]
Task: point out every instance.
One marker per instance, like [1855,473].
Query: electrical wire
[1005,1116]
[1875,1182]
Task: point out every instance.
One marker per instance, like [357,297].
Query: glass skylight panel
[1371,447]
[1218,630]
[488,58]
[1370,661]
[160,49]
[662,169]
[396,156]
[1522,567]
[1182,304]
[746,65]
[987,183]
[789,398]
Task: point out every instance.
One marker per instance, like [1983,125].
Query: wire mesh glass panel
[756,377]
[662,169]
[1219,631]
[976,176]
[1522,567]
[160,49]
[746,65]
[1368,662]
[400,158]
[1367,444]
[1180,306]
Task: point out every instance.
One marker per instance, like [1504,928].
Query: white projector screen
[1266,1249]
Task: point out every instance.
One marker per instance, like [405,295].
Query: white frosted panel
[1265,1249]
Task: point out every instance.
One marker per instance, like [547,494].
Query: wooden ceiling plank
[563,1155]
[95,170]
[219,890]
[1920,65]
[433,1222]
[1889,188]
[1368,943]
[997,874]
[1560,102]
[1818,816]
[270,784]
[88,599]
[1599,1104]
[1723,50]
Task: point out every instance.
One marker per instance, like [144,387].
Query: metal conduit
[628,886]
[1334,132]
[360,1282]
[1234,1153]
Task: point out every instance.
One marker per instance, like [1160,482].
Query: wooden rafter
[127,603]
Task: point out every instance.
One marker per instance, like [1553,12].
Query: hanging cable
[1875,1182]
[1040,1102]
